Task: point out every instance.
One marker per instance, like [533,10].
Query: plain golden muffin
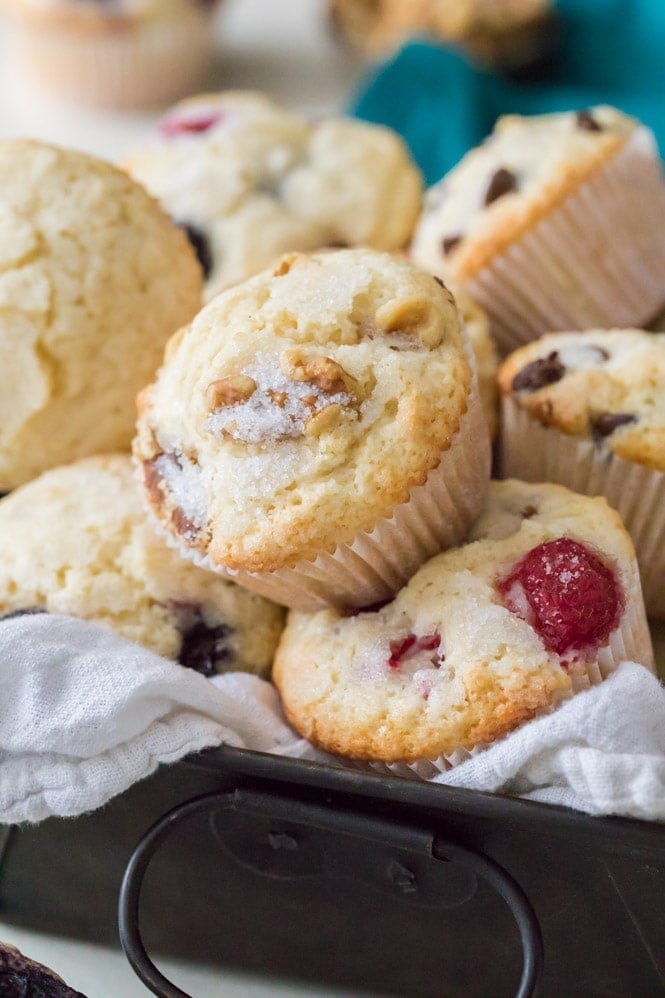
[94,278]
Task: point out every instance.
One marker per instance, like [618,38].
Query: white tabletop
[285,49]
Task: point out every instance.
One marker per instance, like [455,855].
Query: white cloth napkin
[84,714]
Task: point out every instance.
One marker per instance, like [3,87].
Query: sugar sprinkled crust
[608,385]
[76,541]
[94,278]
[499,190]
[252,180]
[473,670]
[302,406]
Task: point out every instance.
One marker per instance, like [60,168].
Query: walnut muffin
[555,222]
[77,541]
[316,431]
[94,278]
[588,410]
[483,638]
[249,181]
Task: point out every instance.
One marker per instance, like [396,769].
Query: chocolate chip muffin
[588,410]
[76,541]
[94,278]
[542,600]
[555,222]
[248,180]
[316,431]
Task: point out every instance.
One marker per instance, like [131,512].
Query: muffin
[248,181]
[555,222]
[76,541]
[94,278]
[483,638]
[504,33]
[128,53]
[316,431]
[587,410]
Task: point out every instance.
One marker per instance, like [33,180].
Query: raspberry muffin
[94,278]
[249,180]
[588,410]
[316,431]
[555,222]
[126,53]
[543,600]
[105,563]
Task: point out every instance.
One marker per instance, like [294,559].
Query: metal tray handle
[273,805]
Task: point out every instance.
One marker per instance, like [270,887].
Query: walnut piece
[323,373]
[229,391]
[413,317]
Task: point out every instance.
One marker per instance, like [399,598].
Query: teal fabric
[610,52]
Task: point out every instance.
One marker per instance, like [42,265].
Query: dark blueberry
[537,374]
[201,246]
[448,243]
[604,424]
[502,182]
[24,611]
[586,121]
[205,648]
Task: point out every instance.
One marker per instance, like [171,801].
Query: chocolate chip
[448,243]
[502,182]
[537,374]
[205,649]
[605,423]
[586,121]
[201,246]
[23,611]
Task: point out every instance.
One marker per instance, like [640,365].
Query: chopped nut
[229,391]
[323,421]
[285,264]
[414,317]
[324,373]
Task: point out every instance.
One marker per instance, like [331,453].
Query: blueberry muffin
[316,431]
[588,410]
[543,600]
[76,541]
[126,53]
[555,222]
[249,180]
[94,278]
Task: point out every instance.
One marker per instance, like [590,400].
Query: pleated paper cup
[537,453]
[138,62]
[595,261]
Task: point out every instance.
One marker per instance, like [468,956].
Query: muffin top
[249,180]
[77,541]
[94,278]
[301,406]
[503,187]
[603,385]
[482,638]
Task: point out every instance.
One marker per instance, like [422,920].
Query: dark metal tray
[350,879]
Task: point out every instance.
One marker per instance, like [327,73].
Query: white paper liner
[595,261]
[374,566]
[537,453]
[150,62]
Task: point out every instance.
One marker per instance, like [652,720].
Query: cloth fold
[84,714]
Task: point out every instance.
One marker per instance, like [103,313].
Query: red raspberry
[566,593]
[193,124]
[403,649]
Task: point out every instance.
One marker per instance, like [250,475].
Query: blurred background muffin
[120,53]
